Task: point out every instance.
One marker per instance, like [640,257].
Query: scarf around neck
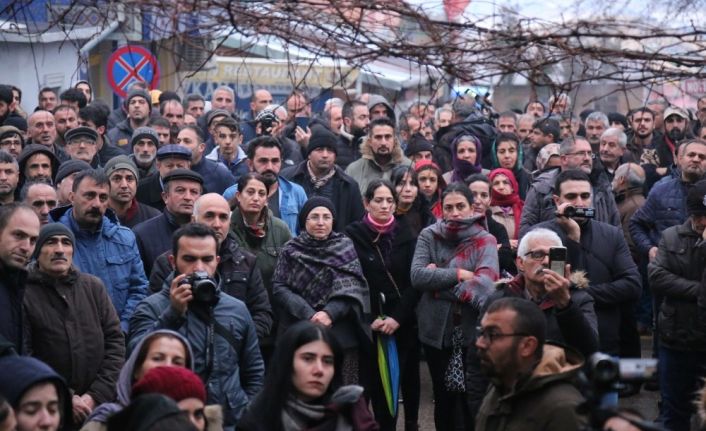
[298,415]
[319,182]
[512,200]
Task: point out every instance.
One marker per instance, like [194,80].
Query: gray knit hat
[144,132]
[120,162]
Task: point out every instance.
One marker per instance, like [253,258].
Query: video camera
[572,211]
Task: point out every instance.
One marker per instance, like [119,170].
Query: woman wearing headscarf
[505,202]
[506,152]
[466,155]
[318,278]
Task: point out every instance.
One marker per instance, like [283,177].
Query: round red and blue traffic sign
[129,64]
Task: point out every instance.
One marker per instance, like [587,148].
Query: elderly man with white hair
[613,143]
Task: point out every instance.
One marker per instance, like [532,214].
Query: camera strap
[213,327]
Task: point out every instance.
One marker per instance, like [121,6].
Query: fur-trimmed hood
[367,153]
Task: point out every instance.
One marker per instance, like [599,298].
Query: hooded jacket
[366,169]
[110,254]
[31,150]
[545,400]
[376,99]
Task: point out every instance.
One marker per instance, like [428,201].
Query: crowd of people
[172,264]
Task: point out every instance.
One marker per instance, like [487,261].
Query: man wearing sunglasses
[531,380]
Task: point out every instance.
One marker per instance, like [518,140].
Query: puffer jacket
[665,207]
[675,275]
[110,254]
[237,372]
[546,400]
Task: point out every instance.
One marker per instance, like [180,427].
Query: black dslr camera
[266,120]
[203,287]
[572,211]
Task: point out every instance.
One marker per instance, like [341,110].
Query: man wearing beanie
[320,176]
[71,323]
[138,109]
[675,274]
[65,179]
[122,174]
[418,148]
[144,145]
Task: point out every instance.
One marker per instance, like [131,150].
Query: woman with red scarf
[505,202]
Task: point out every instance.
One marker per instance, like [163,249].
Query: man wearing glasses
[531,380]
[574,153]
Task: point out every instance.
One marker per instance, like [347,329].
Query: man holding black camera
[597,248]
[219,328]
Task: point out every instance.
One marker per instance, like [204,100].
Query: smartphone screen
[557,259]
[302,122]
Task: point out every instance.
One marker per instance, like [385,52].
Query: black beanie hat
[696,199]
[418,143]
[321,137]
[316,201]
[50,230]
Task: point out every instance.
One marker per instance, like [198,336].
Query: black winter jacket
[154,237]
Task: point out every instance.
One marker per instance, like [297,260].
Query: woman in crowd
[507,153]
[506,203]
[411,205]
[385,247]
[160,348]
[466,156]
[38,395]
[260,233]
[455,266]
[431,184]
[150,412]
[303,389]
[318,278]
[480,188]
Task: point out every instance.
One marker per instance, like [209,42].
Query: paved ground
[644,402]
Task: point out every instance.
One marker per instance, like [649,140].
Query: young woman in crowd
[304,391]
[505,202]
[38,395]
[260,233]
[466,153]
[385,247]
[319,278]
[507,153]
[479,185]
[160,348]
[411,205]
[431,184]
[455,266]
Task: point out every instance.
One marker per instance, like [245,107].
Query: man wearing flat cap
[169,157]
[320,176]
[123,174]
[181,189]
[70,322]
[65,179]
[81,145]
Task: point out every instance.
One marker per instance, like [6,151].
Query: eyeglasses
[537,255]
[584,153]
[490,335]
[318,218]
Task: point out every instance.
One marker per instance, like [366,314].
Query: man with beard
[145,142]
[103,248]
[676,127]
[42,131]
[122,174]
[286,198]
[596,123]
[356,119]
[66,119]
[666,203]
[216,177]
[48,99]
[154,236]
[138,108]
[381,153]
[532,385]
[9,177]
[11,140]
[37,163]
[41,197]
[575,153]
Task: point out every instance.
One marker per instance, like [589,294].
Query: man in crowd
[507,122]
[42,131]
[260,100]
[19,229]
[319,176]
[48,99]
[73,98]
[122,174]
[596,123]
[443,117]
[356,119]
[194,105]
[81,145]
[575,153]
[71,325]
[66,118]
[169,157]
[216,177]
[228,151]
[419,148]
[379,107]
[161,126]
[9,178]
[238,275]
[658,106]
[37,163]
[600,250]
[544,132]
[103,248]
[271,121]
[628,189]
[138,108]
[532,382]
[65,179]
[181,189]
[41,197]
[223,97]
[675,276]
[235,374]
[381,153]
[144,143]
[11,140]
[173,111]
[94,117]
[612,147]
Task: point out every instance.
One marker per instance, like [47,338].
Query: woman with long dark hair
[455,266]
[304,391]
[412,206]
[385,247]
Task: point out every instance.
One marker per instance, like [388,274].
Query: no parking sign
[130,64]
